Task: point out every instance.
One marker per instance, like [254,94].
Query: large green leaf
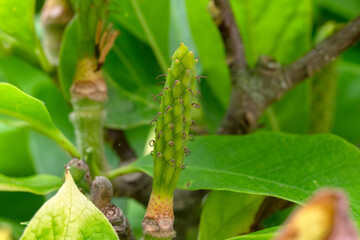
[17,28]
[37,184]
[69,215]
[265,234]
[149,21]
[226,214]
[274,164]
[15,103]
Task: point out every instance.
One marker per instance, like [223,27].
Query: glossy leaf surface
[287,166]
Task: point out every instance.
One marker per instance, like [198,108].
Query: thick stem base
[159,218]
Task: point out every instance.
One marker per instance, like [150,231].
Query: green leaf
[265,234]
[68,57]
[16,161]
[144,20]
[211,50]
[15,103]
[179,30]
[138,107]
[226,214]
[287,166]
[348,98]
[26,79]
[37,184]
[39,85]
[13,145]
[287,23]
[345,8]
[69,215]
[17,28]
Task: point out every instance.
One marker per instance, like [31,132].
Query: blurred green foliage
[149,32]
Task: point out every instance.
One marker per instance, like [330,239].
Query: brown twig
[135,185]
[256,89]
[235,52]
[120,144]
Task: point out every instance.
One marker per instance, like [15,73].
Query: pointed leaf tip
[69,215]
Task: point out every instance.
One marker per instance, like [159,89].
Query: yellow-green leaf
[69,215]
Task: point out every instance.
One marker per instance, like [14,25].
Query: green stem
[122,171]
[323,89]
[88,119]
[66,144]
[323,92]
[274,123]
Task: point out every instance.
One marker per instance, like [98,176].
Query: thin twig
[323,53]
[235,52]
[256,89]
[120,144]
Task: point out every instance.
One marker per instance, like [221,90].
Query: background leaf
[37,184]
[348,98]
[142,18]
[13,228]
[286,22]
[17,28]
[69,214]
[16,161]
[226,214]
[345,8]
[287,166]
[216,88]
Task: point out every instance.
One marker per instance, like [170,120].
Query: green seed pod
[171,137]
[174,120]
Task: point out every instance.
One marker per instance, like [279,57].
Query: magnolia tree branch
[120,144]
[134,185]
[235,52]
[253,90]
[256,89]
